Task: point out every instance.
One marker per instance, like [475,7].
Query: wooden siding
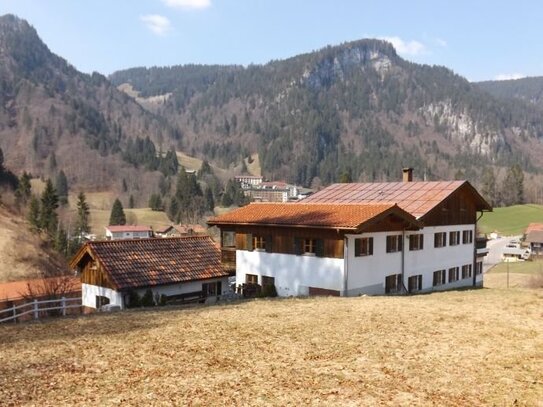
[457,209]
[93,273]
[282,239]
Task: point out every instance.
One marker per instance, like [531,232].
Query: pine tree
[513,186]
[131,203]
[48,207]
[34,213]
[61,241]
[117,216]
[83,215]
[61,186]
[210,202]
[24,189]
[488,188]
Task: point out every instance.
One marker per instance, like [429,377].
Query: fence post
[36,308]
[63,306]
[14,312]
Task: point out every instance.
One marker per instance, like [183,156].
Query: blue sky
[478,39]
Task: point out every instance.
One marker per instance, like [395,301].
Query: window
[259,242]
[393,283]
[251,279]
[310,246]
[101,300]
[453,274]
[363,246]
[467,236]
[394,243]
[416,242]
[439,278]
[267,281]
[454,238]
[466,271]
[440,239]
[228,239]
[479,268]
[414,283]
[211,289]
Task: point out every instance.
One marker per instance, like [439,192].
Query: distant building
[115,232]
[182,230]
[534,237]
[247,181]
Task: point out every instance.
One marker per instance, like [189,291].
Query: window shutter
[298,245]
[370,252]
[249,242]
[319,251]
[269,242]
[357,247]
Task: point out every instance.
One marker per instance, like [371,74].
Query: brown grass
[481,347]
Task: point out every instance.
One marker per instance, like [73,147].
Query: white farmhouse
[351,239]
[115,232]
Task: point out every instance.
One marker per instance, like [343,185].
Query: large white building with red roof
[352,239]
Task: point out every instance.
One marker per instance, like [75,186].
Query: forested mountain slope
[529,90]
[53,117]
[355,110]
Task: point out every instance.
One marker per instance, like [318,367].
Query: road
[495,247]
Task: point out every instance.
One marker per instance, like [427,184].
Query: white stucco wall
[293,274]
[366,274]
[89,293]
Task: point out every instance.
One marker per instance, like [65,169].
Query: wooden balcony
[228,259]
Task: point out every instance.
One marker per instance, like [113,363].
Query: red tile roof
[534,233]
[137,263]
[16,290]
[344,216]
[417,198]
[129,228]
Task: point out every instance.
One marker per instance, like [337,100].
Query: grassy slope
[511,220]
[422,350]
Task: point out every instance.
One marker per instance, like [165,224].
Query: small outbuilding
[174,269]
[534,237]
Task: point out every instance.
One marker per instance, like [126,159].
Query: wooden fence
[35,309]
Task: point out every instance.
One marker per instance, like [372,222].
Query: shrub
[148,299]
[269,291]
[133,299]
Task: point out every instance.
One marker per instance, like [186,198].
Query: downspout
[346,268]
[403,262]
[475,250]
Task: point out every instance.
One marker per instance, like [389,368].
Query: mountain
[53,117]
[356,111]
[529,90]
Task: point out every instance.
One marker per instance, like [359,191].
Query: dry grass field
[459,348]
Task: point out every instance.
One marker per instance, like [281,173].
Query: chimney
[408,174]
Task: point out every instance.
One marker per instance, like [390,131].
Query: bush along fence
[39,309]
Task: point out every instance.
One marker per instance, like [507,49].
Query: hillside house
[181,230]
[180,268]
[115,232]
[248,181]
[351,239]
[534,237]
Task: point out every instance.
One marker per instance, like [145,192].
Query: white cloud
[159,25]
[188,4]
[509,76]
[441,42]
[406,47]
